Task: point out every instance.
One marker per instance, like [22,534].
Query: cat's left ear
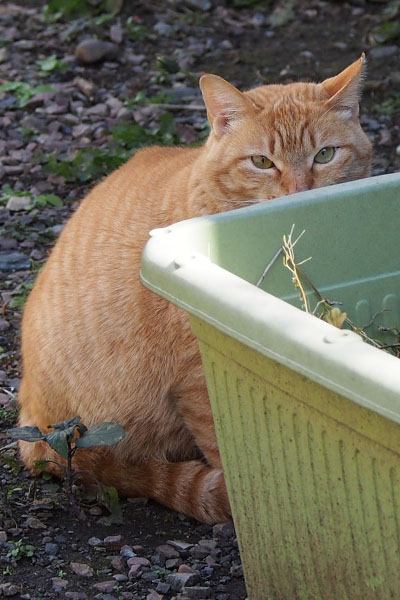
[225,103]
[345,89]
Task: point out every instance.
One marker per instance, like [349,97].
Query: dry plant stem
[290,263]
[269,265]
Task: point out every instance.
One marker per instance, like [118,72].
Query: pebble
[154,596]
[117,563]
[116,33]
[82,569]
[163,28]
[180,545]
[59,584]
[203,5]
[4,325]
[197,592]
[164,553]
[34,523]
[3,537]
[98,110]
[223,530]
[95,541]
[383,52]
[51,549]
[13,261]
[105,586]
[92,51]
[76,596]
[178,581]
[80,130]
[18,203]
[398,150]
[113,542]
[8,589]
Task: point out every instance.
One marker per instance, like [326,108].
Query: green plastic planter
[307,415]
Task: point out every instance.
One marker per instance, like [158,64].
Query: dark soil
[84,122]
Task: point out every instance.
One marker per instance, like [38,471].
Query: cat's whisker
[246,201]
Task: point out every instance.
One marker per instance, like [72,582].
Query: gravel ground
[77,97]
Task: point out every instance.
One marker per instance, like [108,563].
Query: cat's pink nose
[297,186]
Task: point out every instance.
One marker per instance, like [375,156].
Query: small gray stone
[3,537]
[197,592]
[76,596]
[120,577]
[164,553]
[383,52]
[163,587]
[180,545]
[51,549]
[4,325]
[204,5]
[135,59]
[154,596]
[59,584]
[223,530]
[163,28]
[95,541]
[127,552]
[82,569]
[116,33]
[34,523]
[97,110]
[92,51]
[105,586]
[113,542]
[178,581]
[18,203]
[8,589]
[80,130]
[4,54]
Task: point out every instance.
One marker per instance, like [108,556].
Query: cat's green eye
[262,162]
[325,155]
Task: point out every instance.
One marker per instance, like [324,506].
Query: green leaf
[104,434]
[18,302]
[27,434]
[73,421]
[58,441]
[48,64]
[108,497]
[45,199]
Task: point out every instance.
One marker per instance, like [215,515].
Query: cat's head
[279,139]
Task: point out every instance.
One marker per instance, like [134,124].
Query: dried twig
[290,263]
[269,265]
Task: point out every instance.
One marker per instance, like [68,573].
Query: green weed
[41,201]
[137,32]
[90,163]
[23,91]
[21,295]
[57,9]
[67,438]
[19,550]
[50,64]
[388,106]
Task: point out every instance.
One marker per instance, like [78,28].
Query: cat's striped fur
[98,344]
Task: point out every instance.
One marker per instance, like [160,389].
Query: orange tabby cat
[97,344]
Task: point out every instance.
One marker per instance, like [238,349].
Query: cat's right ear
[224,103]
